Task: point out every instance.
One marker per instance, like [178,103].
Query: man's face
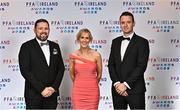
[42,31]
[127,24]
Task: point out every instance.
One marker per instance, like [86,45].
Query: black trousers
[135,101]
[41,103]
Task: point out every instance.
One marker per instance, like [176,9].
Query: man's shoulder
[28,42]
[140,38]
[53,43]
[117,38]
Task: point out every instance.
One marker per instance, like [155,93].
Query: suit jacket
[131,69]
[35,70]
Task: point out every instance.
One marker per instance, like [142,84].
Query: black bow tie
[44,43]
[126,38]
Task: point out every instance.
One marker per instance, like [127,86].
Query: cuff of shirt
[116,83]
[126,85]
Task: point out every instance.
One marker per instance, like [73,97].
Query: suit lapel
[118,48]
[51,52]
[130,46]
[39,51]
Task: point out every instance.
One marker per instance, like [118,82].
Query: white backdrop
[156,20]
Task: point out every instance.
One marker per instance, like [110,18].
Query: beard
[43,36]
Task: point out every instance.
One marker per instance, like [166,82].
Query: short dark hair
[40,20]
[127,13]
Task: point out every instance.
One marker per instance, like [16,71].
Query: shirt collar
[130,35]
[41,41]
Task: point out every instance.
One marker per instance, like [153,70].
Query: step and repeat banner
[156,20]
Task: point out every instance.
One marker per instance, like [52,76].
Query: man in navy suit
[42,67]
[127,63]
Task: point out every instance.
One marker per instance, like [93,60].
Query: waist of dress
[86,76]
[83,77]
[82,82]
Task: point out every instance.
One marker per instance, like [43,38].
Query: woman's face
[84,40]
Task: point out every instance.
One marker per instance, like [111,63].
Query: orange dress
[85,91]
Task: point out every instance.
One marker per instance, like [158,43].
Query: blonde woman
[85,72]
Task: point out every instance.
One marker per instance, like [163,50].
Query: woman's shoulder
[75,53]
[95,53]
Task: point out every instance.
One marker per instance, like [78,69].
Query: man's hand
[124,93]
[48,91]
[121,88]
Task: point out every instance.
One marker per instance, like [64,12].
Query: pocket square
[55,51]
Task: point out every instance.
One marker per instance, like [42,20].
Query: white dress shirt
[45,49]
[124,45]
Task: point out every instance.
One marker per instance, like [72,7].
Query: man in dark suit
[42,67]
[127,64]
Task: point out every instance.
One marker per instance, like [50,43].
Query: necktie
[44,43]
[126,38]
